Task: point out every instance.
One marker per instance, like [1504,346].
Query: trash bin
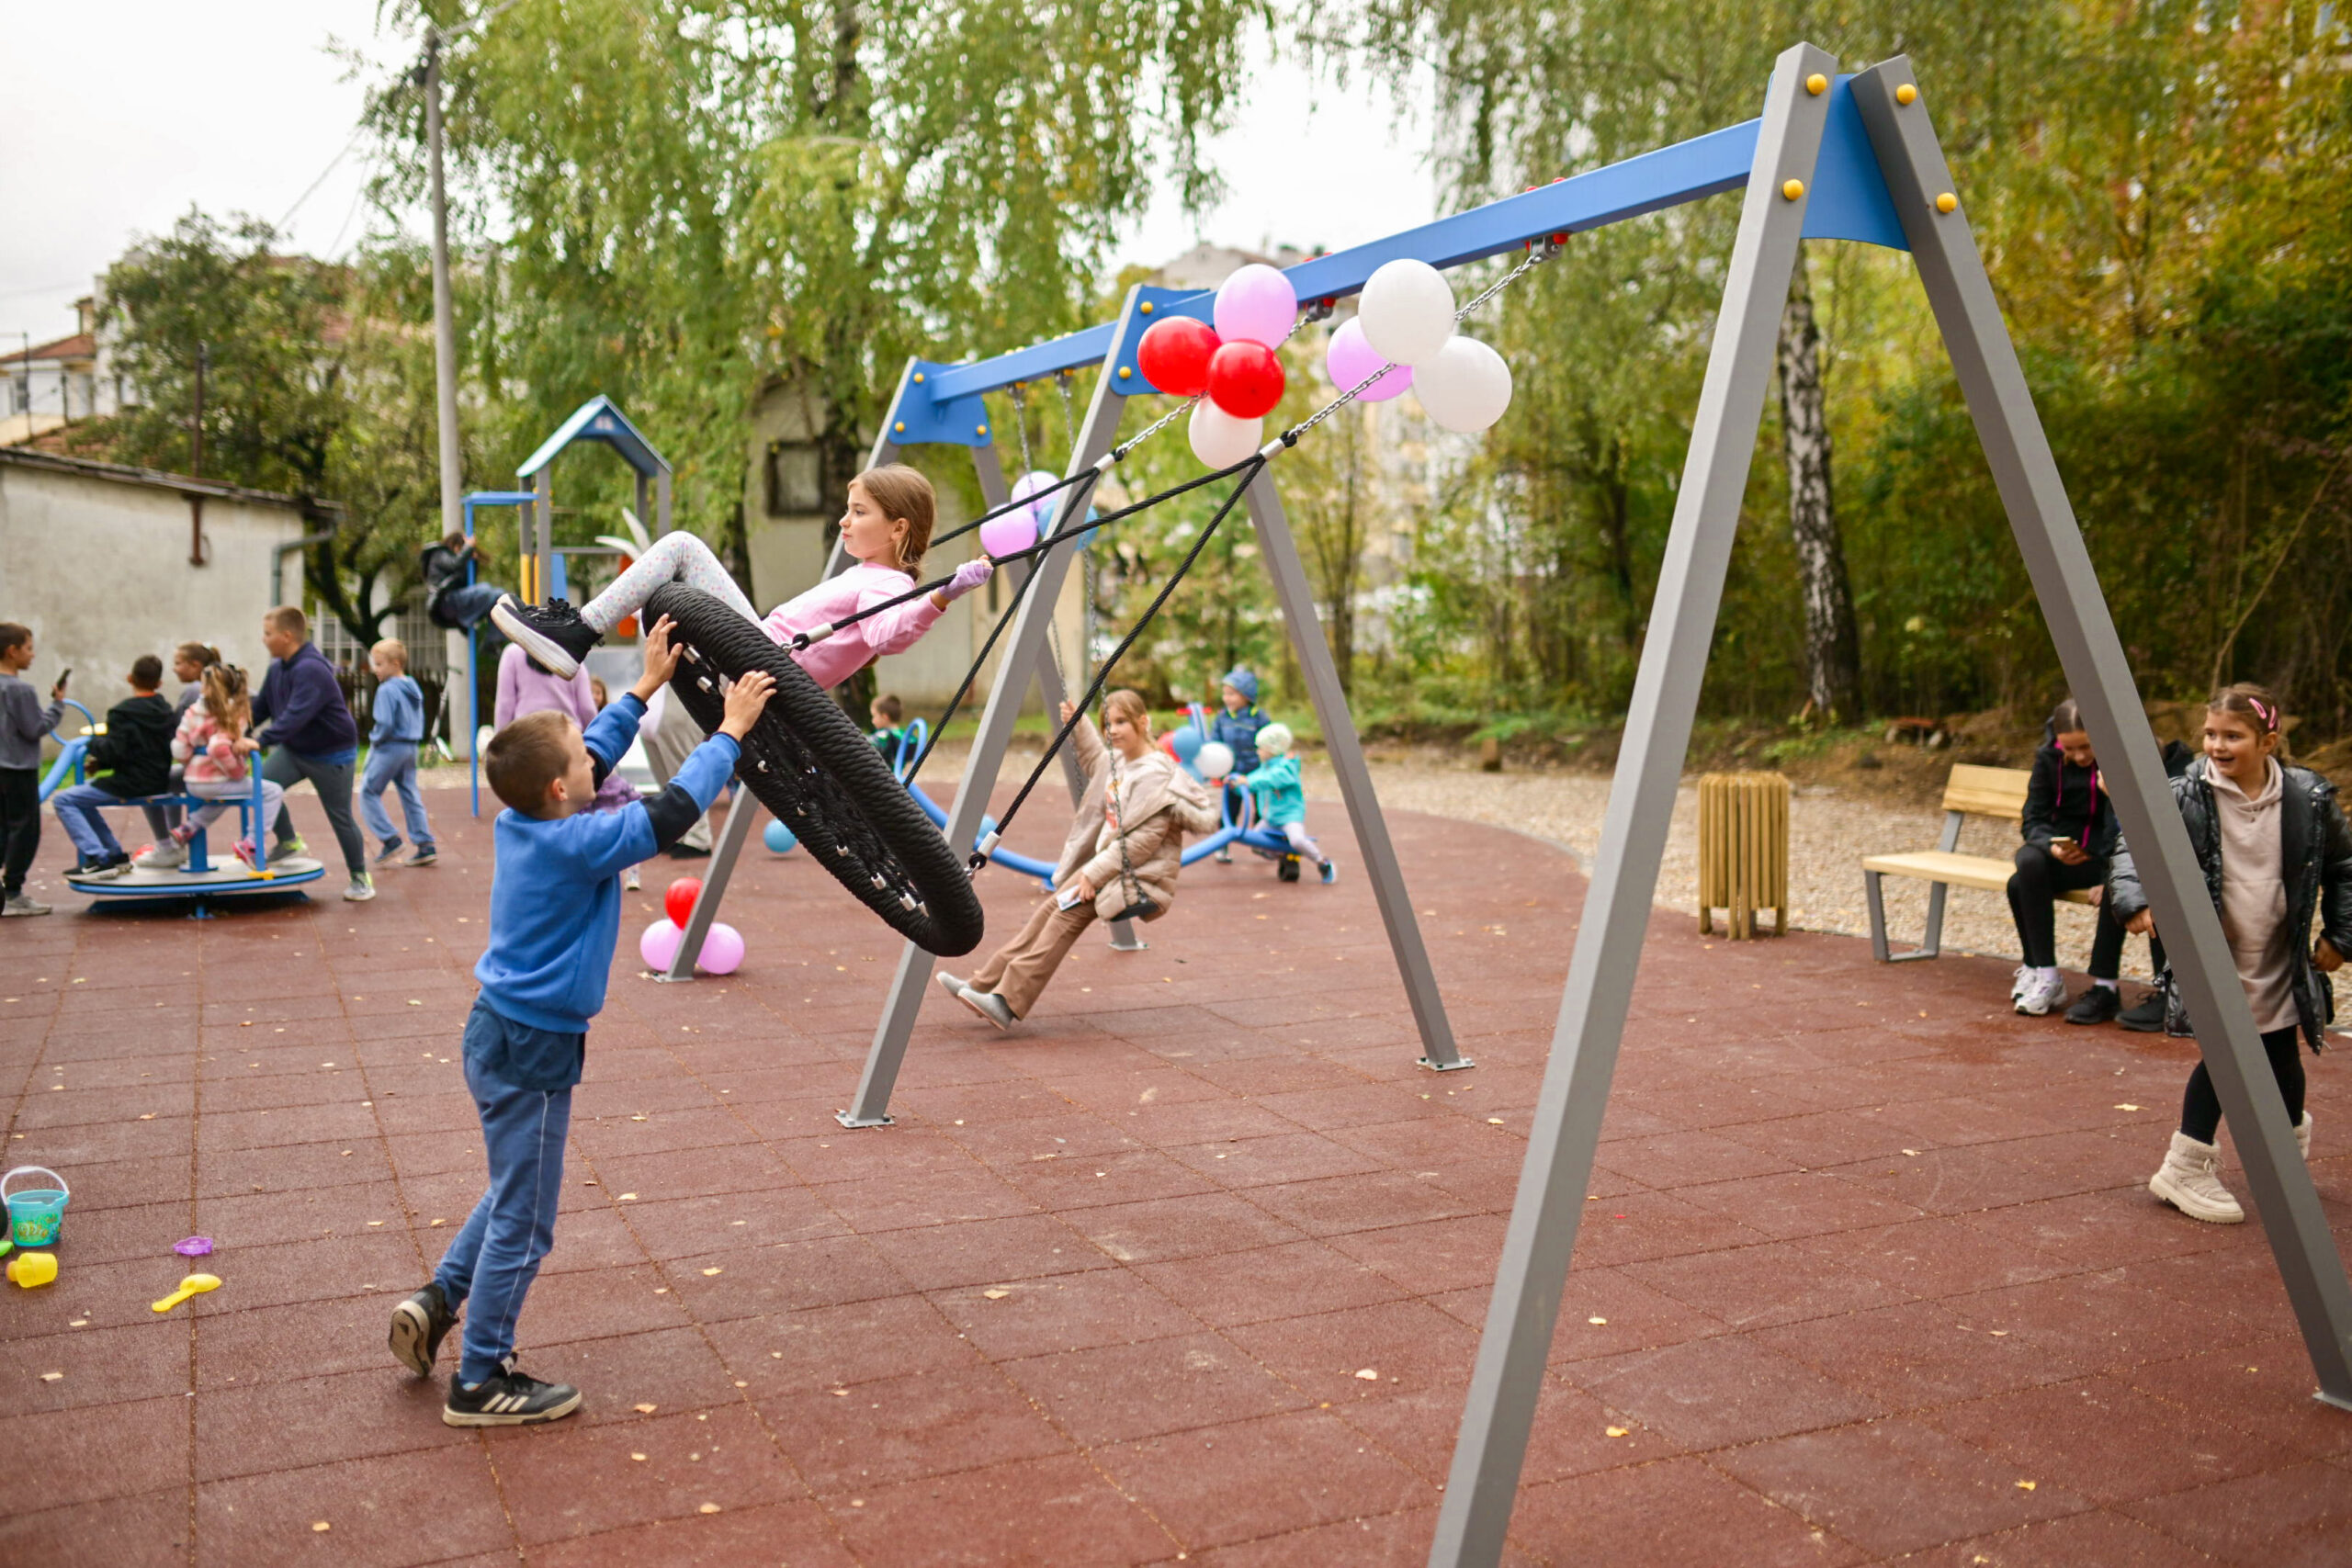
[1743,852]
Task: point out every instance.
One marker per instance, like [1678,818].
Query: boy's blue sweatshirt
[399,710]
[555,895]
[1282,800]
[303,702]
[1240,731]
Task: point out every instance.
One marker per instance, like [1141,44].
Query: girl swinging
[885,526]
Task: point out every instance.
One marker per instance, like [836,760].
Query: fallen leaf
[2025,1485]
[440,1222]
[79,1323]
[996,1295]
[628,1197]
[707,1508]
[1616,1431]
[637,1457]
[414,1003]
[841,1394]
[2127,1108]
[637,1118]
[322,1527]
[148,1116]
[708,1272]
[1369,1374]
[646,1409]
[1913,1152]
[1494,1120]
[1596,1322]
[373,1223]
[51,1377]
[1998,1333]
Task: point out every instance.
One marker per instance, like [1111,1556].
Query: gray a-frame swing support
[728,849]
[1022,657]
[1507,1380]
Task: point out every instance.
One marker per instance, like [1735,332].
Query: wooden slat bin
[1743,850]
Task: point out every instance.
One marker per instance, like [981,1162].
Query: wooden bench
[1970,791]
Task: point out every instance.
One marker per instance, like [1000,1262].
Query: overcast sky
[115,116]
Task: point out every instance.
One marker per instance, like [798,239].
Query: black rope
[1256,464]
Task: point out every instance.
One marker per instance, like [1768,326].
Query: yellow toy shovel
[189,1287]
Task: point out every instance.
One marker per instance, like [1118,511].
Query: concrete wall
[98,566]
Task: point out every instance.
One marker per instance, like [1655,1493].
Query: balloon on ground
[722,949]
[778,838]
[679,901]
[659,945]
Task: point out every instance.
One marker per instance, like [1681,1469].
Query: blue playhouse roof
[598,419]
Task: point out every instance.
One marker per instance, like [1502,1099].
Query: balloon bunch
[1231,366]
[1405,319]
[722,945]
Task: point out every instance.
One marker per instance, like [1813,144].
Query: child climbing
[555,913]
[1119,863]
[1237,727]
[1282,800]
[885,526]
[449,600]
[2272,842]
[215,753]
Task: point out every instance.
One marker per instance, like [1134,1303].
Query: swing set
[1846,157]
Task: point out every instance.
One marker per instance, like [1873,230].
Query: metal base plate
[846,1119]
[1455,1066]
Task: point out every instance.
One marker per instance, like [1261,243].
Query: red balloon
[679,902]
[1245,379]
[1174,355]
[1167,741]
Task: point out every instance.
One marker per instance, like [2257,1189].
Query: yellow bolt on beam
[1792,189]
[1906,95]
[900,428]
[917,378]
[1124,372]
[983,429]
[1946,202]
[1144,308]
[1816,84]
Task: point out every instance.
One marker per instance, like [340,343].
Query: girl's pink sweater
[845,652]
[207,747]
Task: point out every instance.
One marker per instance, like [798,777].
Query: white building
[46,385]
[96,558]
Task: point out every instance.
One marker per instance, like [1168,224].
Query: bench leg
[1875,895]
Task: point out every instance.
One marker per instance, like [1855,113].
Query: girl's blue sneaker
[1330,871]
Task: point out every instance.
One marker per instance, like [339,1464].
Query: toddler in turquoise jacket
[1282,800]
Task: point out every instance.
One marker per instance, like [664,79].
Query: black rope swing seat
[811,767]
[823,779]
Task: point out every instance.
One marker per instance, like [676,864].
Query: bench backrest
[1986,792]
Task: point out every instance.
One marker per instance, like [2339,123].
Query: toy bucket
[35,1214]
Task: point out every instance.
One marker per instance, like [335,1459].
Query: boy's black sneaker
[2097,1005]
[510,1397]
[419,1324]
[2145,1016]
[105,868]
[551,633]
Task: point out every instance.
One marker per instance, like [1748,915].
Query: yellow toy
[189,1287]
[30,1268]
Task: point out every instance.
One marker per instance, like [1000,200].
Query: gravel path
[1829,831]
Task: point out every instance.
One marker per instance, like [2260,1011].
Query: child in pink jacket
[885,528]
[212,748]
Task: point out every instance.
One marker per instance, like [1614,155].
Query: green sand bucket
[35,1214]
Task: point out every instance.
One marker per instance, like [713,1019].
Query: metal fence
[427,661]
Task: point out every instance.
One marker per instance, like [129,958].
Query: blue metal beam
[1849,202]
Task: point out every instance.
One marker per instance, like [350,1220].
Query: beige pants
[667,747]
[1018,970]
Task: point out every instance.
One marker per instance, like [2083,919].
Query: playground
[1466,1207]
[1870,1271]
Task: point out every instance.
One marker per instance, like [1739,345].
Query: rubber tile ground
[1192,1269]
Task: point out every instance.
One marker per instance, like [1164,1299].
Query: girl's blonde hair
[227,696]
[1128,706]
[203,655]
[905,496]
[2253,702]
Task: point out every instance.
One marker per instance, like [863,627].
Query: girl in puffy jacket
[2273,844]
[215,753]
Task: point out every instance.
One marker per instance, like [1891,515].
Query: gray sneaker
[951,983]
[989,1004]
[17,906]
[362,888]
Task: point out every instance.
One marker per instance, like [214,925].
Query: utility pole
[458,660]
[195,462]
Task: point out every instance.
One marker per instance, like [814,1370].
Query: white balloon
[1219,439]
[1406,309]
[1215,760]
[1466,387]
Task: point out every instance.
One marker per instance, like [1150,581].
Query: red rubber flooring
[1190,1270]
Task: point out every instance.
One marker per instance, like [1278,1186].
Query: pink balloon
[659,945]
[1014,531]
[722,949]
[1349,359]
[1256,304]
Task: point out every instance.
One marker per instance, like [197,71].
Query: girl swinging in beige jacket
[1121,858]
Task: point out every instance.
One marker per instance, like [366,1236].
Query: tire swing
[809,765]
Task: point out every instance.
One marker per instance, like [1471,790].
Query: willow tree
[683,202]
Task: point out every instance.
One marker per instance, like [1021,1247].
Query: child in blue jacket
[555,916]
[1282,800]
[1237,727]
[392,745]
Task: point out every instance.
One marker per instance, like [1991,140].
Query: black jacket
[2317,867]
[137,746]
[2063,801]
[443,569]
